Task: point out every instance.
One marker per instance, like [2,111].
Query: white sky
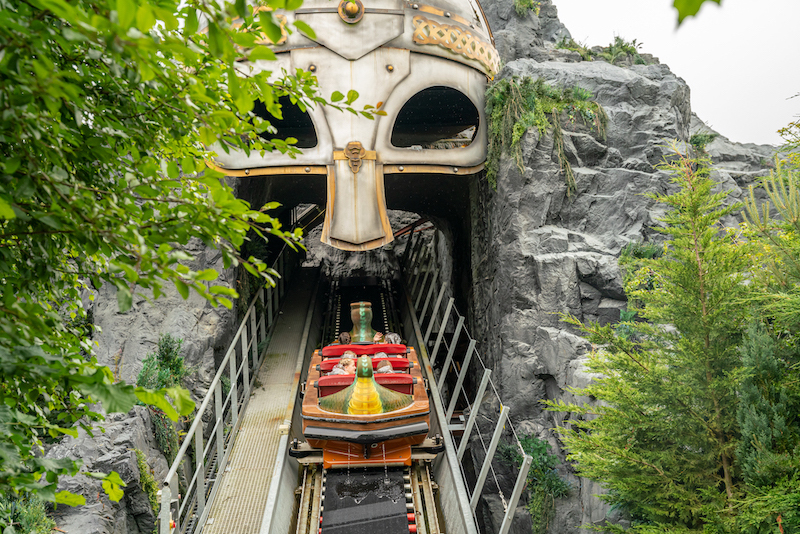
[741,60]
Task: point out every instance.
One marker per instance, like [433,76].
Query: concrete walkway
[239,504]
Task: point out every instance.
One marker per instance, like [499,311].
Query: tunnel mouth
[438,118]
[295,123]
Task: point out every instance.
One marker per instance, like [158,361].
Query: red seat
[337,350]
[398,364]
[402,383]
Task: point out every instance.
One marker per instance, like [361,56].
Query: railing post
[245,361]
[422,262]
[234,393]
[428,301]
[268,306]
[200,472]
[254,336]
[473,414]
[451,350]
[422,289]
[165,515]
[440,336]
[219,416]
[435,314]
[518,487]
[460,382]
[487,462]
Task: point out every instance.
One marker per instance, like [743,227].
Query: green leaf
[116,398]
[336,96]
[689,8]
[261,52]
[291,5]
[191,22]
[182,288]
[6,212]
[145,18]
[182,399]
[12,164]
[157,400]
[305,28]
[352,95]
[70,499]
[124,296]
[268,26]
[126,12]
[112,488]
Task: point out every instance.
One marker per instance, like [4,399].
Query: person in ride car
[346,366]
[384,366]
[393,339]
[344,338]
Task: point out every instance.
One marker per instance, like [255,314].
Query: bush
[162,369]
[544,484]
[24,514]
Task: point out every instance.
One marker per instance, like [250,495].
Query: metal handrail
[203,465]
[422,262]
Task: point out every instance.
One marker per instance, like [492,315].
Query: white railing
[427,296]
[191,484]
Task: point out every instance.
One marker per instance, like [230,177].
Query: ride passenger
[384,366]
[393,339]
[344,338]
[378,338]
[346,366]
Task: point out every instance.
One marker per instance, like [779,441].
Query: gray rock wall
[538,252]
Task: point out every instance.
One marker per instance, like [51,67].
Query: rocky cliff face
[544,252]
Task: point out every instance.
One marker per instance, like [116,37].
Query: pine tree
[769,417]
[663,436]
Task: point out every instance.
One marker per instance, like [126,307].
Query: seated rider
[384,366]
[344,338]
[392,338]
[346,366]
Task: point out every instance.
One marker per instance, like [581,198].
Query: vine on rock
[515,105]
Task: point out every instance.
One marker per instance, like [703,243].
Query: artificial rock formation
[540,252]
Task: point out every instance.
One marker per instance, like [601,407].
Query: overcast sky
[740,60]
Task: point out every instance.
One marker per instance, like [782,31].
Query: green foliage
[769,413]
[523,7]
[621,49]
[663,437]
[514,106]
[109,107]
[146,481]
[543,483]
[778,258]
[699,140]
[24,514]
[568,43]
[689,8]
[164,369]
